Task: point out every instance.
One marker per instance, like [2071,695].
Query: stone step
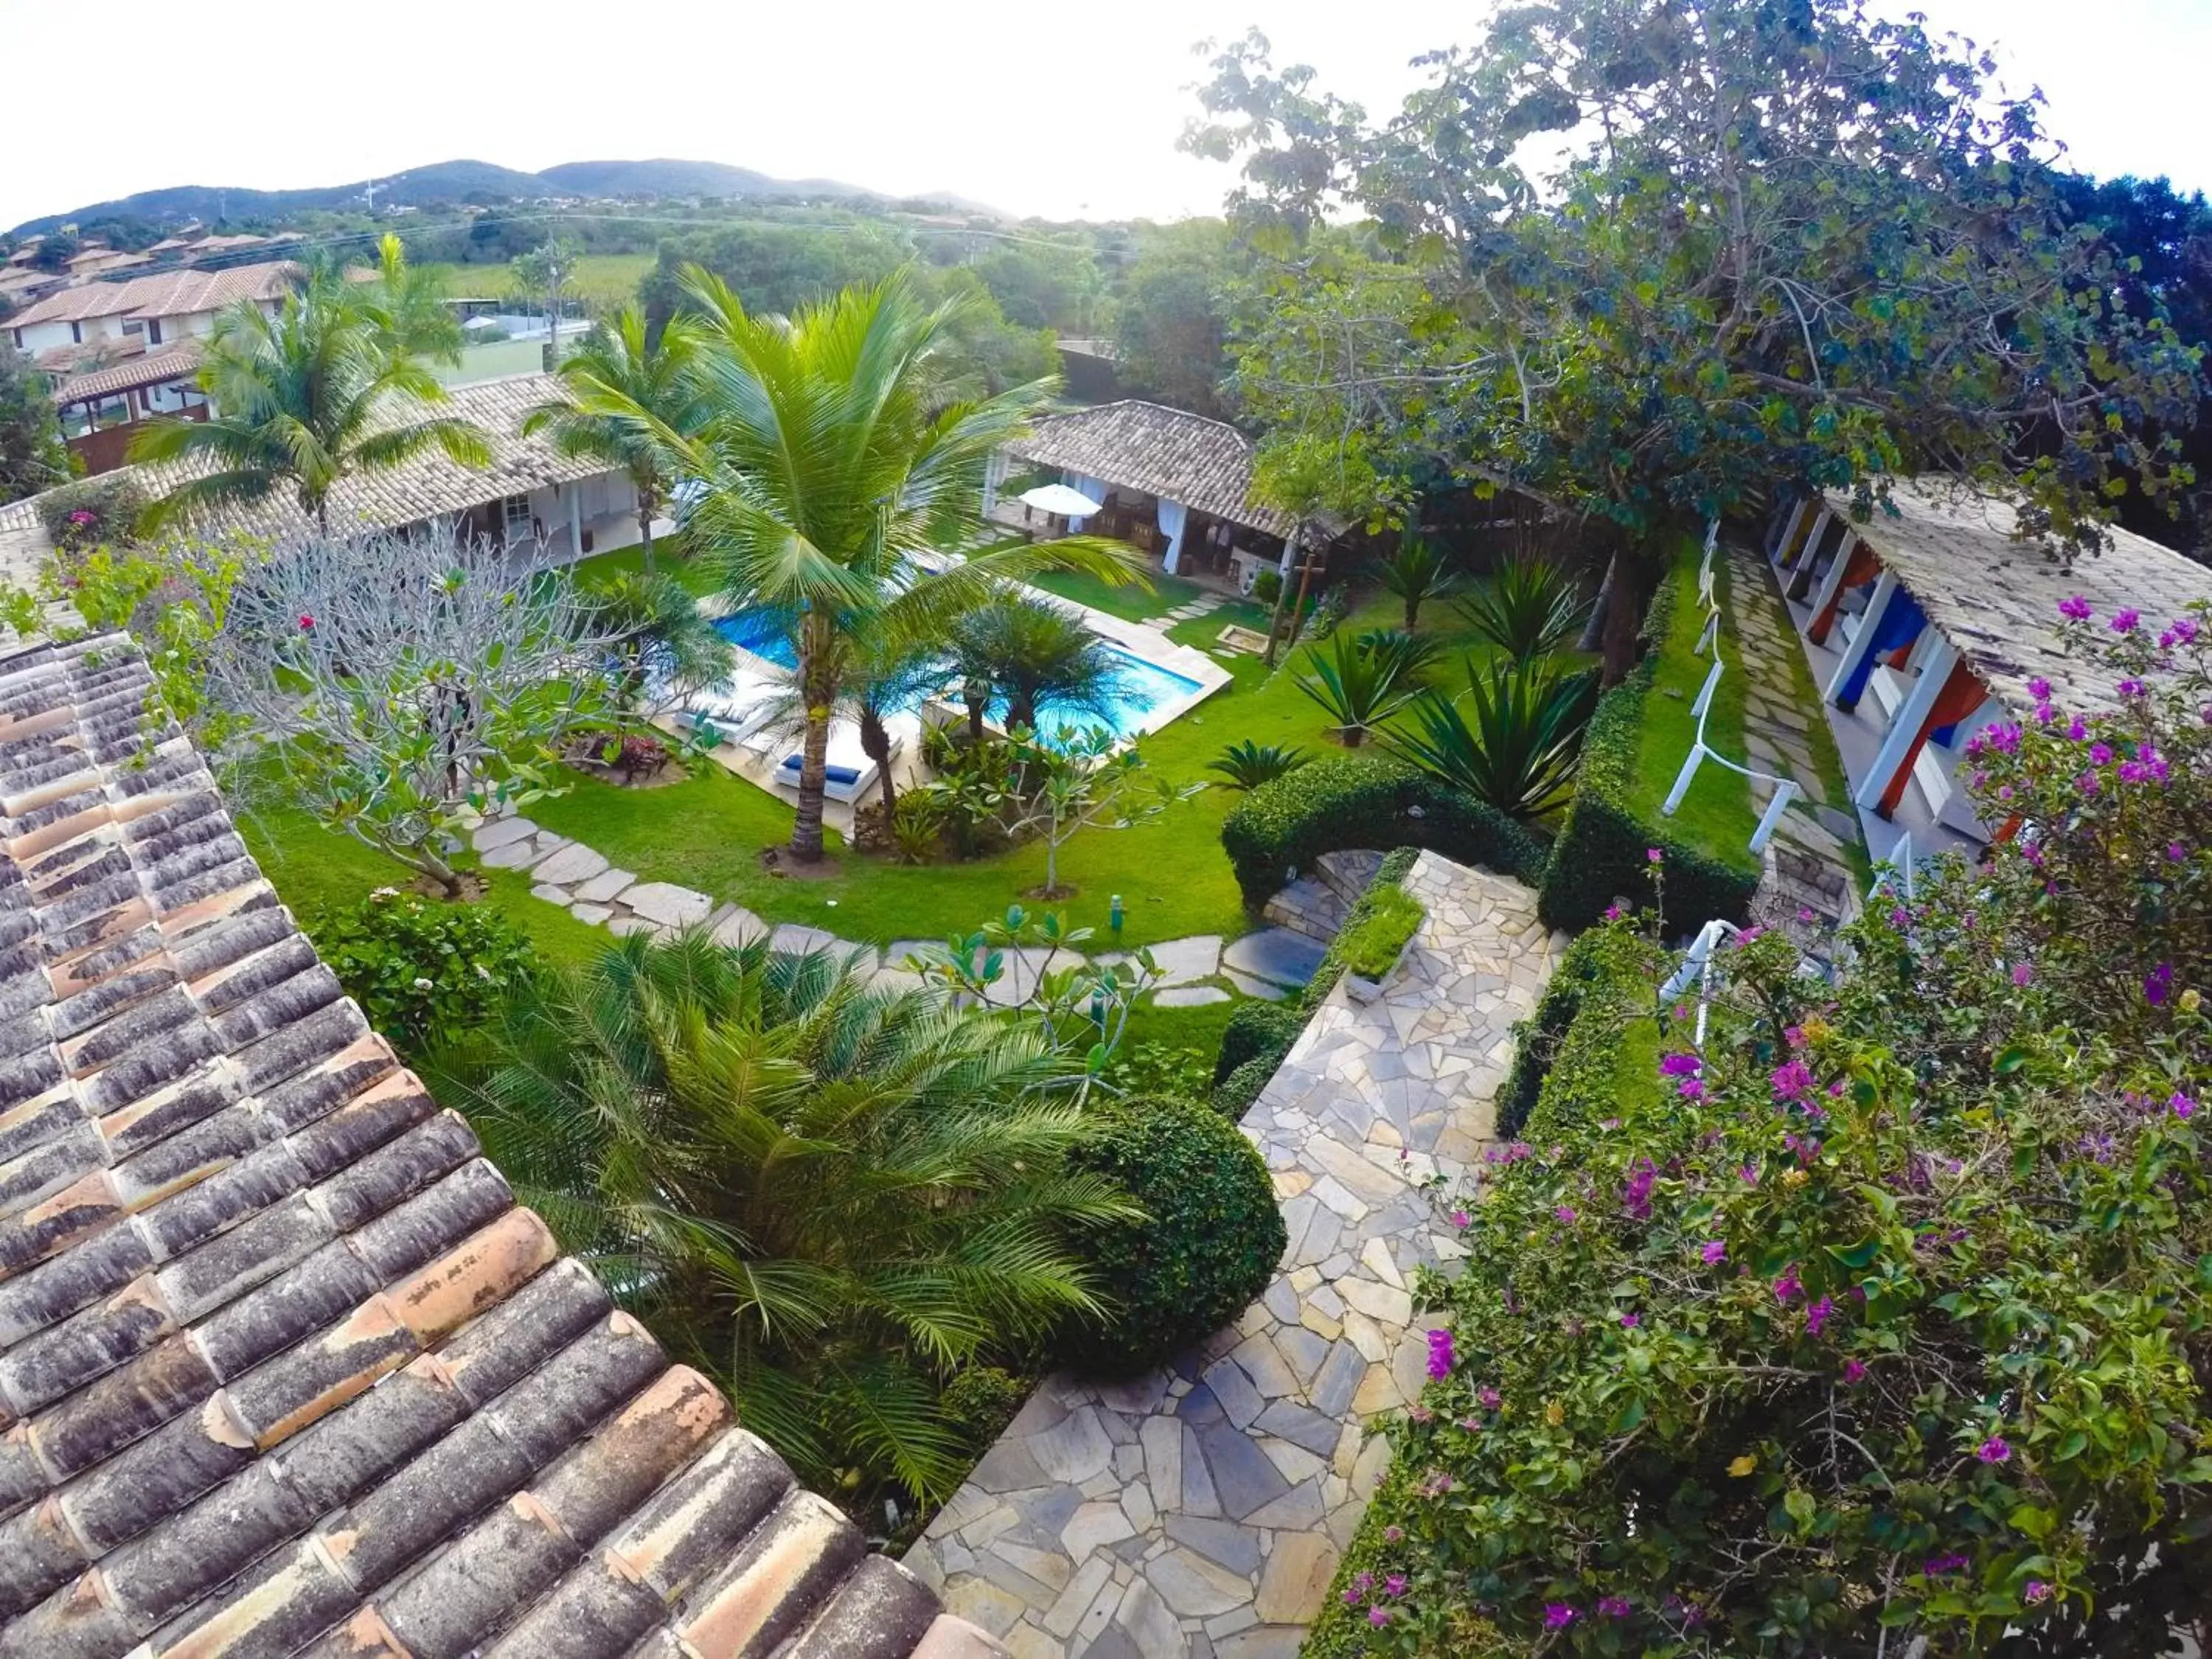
[1307,907]
[1347,873]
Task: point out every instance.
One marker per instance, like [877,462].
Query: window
[132,326]
[515,515]
[76,333]
[152,330]
[171,396]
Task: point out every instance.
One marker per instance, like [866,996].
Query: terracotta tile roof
[283,1367]
[168,363]
[1997,600]
[428,487]
[165,294]
[1206,464]
[83,358]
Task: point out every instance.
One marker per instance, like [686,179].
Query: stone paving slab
[1199,1512]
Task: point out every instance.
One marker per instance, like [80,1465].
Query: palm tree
[407,304]
[1032,651]
[318,392]
[828,1196]
[832,465]
[1529,607]
[1358,689]
[619,369]
[661,633]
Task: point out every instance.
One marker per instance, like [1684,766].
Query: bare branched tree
[401,681]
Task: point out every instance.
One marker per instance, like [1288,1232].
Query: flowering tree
[1879,1325]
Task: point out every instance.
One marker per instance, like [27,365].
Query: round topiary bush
[1212,1243]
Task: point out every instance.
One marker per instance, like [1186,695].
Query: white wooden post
[1862,641]
[1682,780]
[574,491]
[1834,579]
[1806,548]
[1791,520]
[1705,691]
[1708,640]
[1784,793]
[1897,743]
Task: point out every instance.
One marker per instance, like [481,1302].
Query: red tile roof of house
[283,1367]
[165,294]
[1203,464]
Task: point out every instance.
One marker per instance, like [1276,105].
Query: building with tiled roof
[160,309]
[284,1369]
[530,489]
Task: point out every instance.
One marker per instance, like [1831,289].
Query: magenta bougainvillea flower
[1441,1356]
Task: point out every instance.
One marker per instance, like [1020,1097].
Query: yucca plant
[1246,765]
[1527,607]
[1358,689]
[1513,738]
[1415,573]
[1405,655]
[830,1194]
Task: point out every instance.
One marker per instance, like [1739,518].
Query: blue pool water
[1144,686]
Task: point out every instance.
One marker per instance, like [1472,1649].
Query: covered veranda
[1176,485]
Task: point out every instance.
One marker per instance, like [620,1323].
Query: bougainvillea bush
[1879,1325]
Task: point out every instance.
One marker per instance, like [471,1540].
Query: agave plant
[1513,738]
[1360,689]
[1404,654]
[1528,607]
[1246,765]
[1416,573]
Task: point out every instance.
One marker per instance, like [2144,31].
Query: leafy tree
[1050,287]
[33,456]
[666,643]
[1789,246]
[55,249]
[1868,1316]
[621,367]
[1171,317]
[404,685]
[304,399]
[773,269]
[826,533]
[547,268]
[1085,779]
[426,975]
[1031,652]
[829,1195]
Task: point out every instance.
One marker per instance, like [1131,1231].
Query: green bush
[1372,947]
[1210,1246]
[1365,800]
[1602,851]
[1257,1029]
[1606,973]
[1388,875]
[425,972]
[980,1401]
[1234,1095]
[105,509]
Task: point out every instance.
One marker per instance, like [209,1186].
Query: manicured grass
[605,280]
[1129,601]
[668,559]
[1716,816]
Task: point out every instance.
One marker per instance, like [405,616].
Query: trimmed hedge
[1366,800]
[1607,974]
[1602,850]
[1209,1246]
[1257,1029]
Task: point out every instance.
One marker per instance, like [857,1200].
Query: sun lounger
[844,783]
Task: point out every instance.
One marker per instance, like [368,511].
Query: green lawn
[668,559]
[605,280]
[1129,602]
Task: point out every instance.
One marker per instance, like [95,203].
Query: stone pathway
[1270,964]
[1199,1512]
[1198,607]
[1808,866]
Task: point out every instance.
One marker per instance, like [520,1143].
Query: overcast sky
[1063,109]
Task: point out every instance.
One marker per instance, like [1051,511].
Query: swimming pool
[1146,687]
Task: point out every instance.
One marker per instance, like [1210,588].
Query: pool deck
[1142,641]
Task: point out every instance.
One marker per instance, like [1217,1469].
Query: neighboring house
[530,492]
[1926,624]
[286,1368]
[1173,482]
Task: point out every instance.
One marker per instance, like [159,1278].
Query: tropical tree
[1514,739]
[547,268]
[620,367]
[827,1194]
[1358,689]
[1527,607]
[1416,573]
[830,466]
[303,399]
[1079,779]
[1246,765]
[404,303]
[33,456]
[1031,652]
[664,639]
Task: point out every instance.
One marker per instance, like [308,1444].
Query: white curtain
[1091,486]
[1172,516]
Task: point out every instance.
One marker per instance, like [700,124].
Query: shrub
[1365,800]
[1416,573]
[1358,689]
[980,1401]
[1606,972]
[1388,875]
[1267,587]
[1896,1290]
[1527,608]
[425,972]
[1211,1244]
[1519,749]
[92,511]
[1246,765]
[1234,1095]
[1257,1029]
[1602,850]
[1370,947]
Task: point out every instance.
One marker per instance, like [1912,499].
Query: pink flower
[2184,631]
[1792,1080]
[1679,1065]
[1613,913]
[1652,855]
[1818,1315]
[2039,688]
[1786,1285]
[2023,972]
[1461,1219]
[1378,1617]
[1393,1534]
[306,622]
[1750,1175]
[2037,1592]
[1394,1584]
[2181,1106]
[1557,1615]
[1713,1252]
[1993,1449]
[2175,853]
[2124,620]
[2101,754]
[2158,984]
[1628,1322]
[2075,608]
[1565,1215]
[1441,1356]
[1489,1399]
[1692,1090]
[1613,1606]
[1854,1372]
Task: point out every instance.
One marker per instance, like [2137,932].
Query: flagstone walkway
[1199,1512]
[1270,964]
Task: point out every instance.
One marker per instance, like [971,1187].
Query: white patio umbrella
[1059,498]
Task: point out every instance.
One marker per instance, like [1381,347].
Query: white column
[1290,553]
[995,474]
[1862,641]
[1837,566]
[575,492]
[1806,548]
[1794,517]
[1911,714]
